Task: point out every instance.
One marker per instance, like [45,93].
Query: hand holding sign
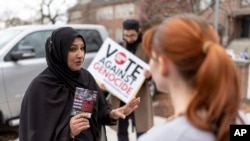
[120,71]
[102,86]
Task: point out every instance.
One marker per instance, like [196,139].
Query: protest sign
[120,71]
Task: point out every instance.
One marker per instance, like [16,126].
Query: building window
[84,1]
[245,2]
[75,15]
[245,27]
[124,11]
[105,13]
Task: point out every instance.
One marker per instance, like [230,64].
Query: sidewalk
[112,136]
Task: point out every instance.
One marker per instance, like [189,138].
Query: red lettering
[112,78]
[118,82]
[96,66]
[129,90]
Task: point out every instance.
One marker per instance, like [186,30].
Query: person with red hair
[187,61]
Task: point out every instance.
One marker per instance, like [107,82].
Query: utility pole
[216,15]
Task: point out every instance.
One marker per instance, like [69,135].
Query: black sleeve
[105,93]
[105,109]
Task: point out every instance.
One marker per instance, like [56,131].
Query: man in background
[142,118]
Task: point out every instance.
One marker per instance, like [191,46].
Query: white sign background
[120,71]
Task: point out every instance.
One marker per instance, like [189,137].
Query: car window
[7,36]
[37,41]
[92,38]
[34,40]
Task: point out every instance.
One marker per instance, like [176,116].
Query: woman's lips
[79,62]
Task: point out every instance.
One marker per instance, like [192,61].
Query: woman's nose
[79,53]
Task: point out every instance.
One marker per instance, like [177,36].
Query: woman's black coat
[47,103]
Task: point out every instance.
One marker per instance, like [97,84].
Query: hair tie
[206,46]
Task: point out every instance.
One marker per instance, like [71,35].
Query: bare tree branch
[50,11]
[155,11]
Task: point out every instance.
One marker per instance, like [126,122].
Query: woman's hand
[102,86]
[78,123]
[125,110]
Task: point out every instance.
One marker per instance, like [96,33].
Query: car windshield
[6,36]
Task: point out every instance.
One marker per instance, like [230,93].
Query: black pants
[123,127]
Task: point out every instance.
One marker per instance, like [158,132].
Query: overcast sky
[23,8]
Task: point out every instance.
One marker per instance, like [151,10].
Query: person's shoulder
[177,130]
[40,82]
[161,132]
[86,73]
[44,79]
[88,77]
[189,132]
[39,78]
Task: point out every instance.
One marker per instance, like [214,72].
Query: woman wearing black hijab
[47,104]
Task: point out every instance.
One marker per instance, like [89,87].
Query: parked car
[22,57]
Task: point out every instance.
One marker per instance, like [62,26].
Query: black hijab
[47,103]
[57,47]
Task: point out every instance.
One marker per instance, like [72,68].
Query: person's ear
[164,65]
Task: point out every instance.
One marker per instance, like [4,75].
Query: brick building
[233,19]
[109,13]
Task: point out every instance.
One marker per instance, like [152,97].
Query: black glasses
[132,36]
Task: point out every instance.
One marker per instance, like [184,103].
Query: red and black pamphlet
[84,101]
